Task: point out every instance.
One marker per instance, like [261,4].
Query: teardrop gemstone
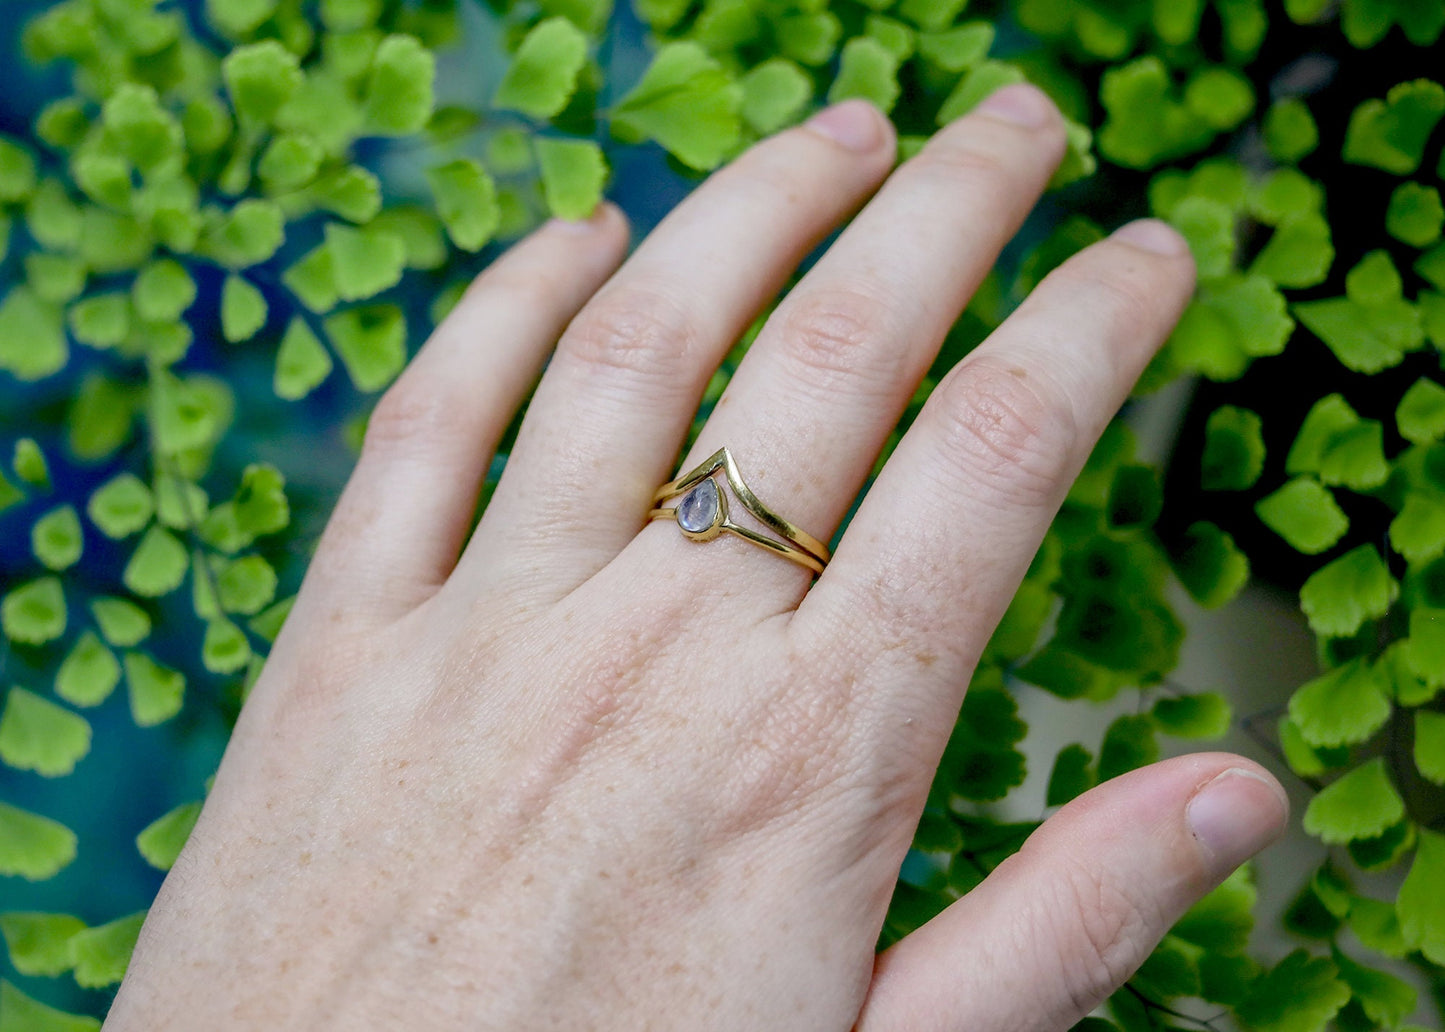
[698,509]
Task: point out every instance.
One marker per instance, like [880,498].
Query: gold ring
[703,513]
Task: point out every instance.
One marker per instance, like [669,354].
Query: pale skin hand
[592,775]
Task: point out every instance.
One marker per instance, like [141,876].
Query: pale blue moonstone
[698,509]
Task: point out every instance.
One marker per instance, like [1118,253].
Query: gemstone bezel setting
[702,511]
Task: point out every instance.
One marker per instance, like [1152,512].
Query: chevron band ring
[702,513]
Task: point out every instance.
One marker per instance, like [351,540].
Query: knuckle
[409,416]
[519,286]
[1000,426]
[635,334]
[977,155]
[835,334]
[1122,294]
[1111,937]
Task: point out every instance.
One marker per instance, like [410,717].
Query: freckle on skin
[1020,373]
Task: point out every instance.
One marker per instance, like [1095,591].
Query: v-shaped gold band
[792,543]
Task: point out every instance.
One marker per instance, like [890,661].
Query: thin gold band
[796,544]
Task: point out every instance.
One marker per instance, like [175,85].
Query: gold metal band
[712,517]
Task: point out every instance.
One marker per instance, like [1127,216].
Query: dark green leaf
[1233,449]
[1299,994]
[1072,776]
[1129,743]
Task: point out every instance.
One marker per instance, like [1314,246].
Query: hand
[592,775]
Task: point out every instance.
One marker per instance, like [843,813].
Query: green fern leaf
[34,613]
[302,363]
[543,74]
[1344,706]
[39,944]
[156,692]
[89,672]
[1361,805]
[1421,904]
[1205,715]
[31,846]
[162,840]
[371,342]
[687,102]
[1391,134]
[157,566]
[243,309]
[1340,596]
[101,954]
[775,92]
[123,623]
[364,262]
[38,735]
[260,77]
[1305,514]
[121,506]
[869,70]
[1299,994]
[32,336]
[574,173]
[56,538]
[466,200]
[399,94]
[21,1013]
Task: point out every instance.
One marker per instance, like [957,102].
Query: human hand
[593,775]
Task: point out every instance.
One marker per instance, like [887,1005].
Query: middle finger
[812,403]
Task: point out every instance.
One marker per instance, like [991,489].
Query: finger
[400,523]
[826,380]
[614,405]
[947,531]
[1059,926]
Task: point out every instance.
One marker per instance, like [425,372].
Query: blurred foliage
[216,186]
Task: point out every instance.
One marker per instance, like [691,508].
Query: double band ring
[702,514]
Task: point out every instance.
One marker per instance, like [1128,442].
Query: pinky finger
[400,524]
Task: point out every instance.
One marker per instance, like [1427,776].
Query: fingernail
[1020,104]
[855,124]
[587,225]
[1153,236]
[1235,816]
